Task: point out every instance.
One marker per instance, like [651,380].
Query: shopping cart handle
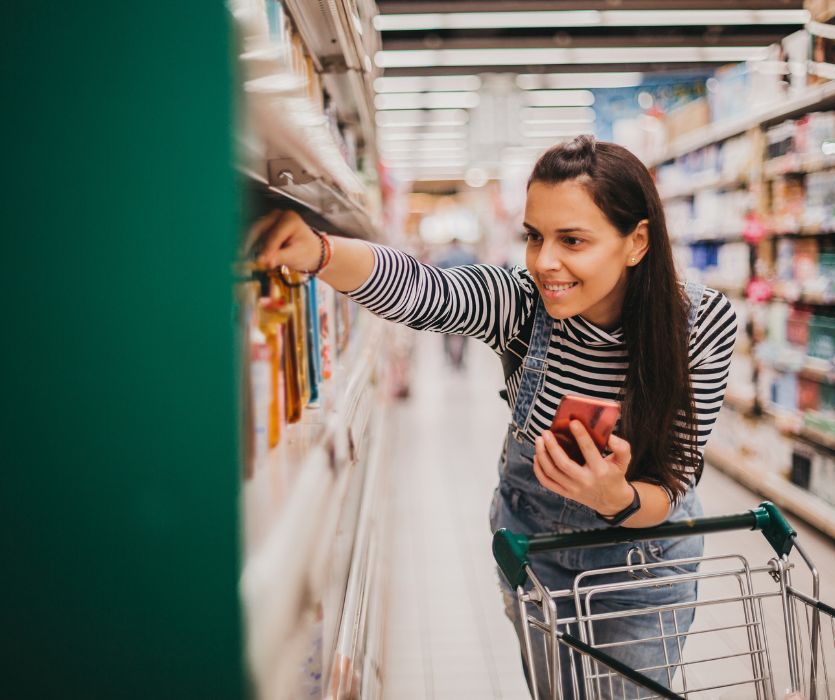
[511,549]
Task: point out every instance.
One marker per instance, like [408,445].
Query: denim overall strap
[694,292]
[533,368]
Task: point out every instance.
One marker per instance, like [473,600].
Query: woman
[606,318]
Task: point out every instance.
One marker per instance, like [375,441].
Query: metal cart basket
[765,640]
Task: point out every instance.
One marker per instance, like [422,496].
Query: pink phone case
[599,417]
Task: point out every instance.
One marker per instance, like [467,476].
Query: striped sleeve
[711,346]
[480,301]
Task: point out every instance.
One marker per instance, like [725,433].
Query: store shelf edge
[811,509]
[713,133]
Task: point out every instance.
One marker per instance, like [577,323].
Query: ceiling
[582,37]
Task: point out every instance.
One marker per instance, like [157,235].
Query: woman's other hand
[599,484]
[283,238]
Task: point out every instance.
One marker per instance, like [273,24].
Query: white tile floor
[446,634]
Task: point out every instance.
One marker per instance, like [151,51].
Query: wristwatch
[631,509]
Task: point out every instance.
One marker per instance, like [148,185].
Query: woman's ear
[640,242]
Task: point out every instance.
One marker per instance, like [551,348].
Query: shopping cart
[765,640]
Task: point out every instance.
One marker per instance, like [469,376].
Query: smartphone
[598,415]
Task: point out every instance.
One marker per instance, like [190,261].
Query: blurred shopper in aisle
[598,313]
[455,345]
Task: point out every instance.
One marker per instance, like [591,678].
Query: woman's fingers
[584,442]
[256,234]
[560,459]
[546,480]
[552,468]
[621,450]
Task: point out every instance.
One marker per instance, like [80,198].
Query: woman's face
[578,259]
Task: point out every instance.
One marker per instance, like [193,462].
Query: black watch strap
[631,509]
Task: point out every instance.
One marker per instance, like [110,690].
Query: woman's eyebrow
[569,229]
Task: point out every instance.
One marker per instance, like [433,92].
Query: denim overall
[521,504]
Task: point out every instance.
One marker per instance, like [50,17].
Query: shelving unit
[311,541]
[771,481]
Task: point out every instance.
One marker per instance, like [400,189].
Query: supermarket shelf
[810,369]
[321,205]
[729,238]
[795,163]
[817,437]
[329,30]
[803,232]
[819,97]
[804,299]
[711,182]
[782,492]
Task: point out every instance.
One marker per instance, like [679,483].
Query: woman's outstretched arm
[480,301]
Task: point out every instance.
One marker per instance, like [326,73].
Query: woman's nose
[548,259]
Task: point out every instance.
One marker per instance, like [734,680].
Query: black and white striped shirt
[492,305]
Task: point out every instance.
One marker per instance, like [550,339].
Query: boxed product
[729,91]
[822,477]
[808,394]
[821,337]
[687,118]
[797,327]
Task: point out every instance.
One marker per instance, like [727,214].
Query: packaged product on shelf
[801,465]
[261,369]
[787,203]
[797,327]
[808,394]
[819,204]
[292,346]
[314,375]
[275,314]
[780,139]
[326,297]
[728,96]
[822,477]
[821,337]
[296,295]
[277,23]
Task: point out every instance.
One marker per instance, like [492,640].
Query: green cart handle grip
[511,549]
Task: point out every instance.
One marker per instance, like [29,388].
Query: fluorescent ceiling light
[537,113]
[389,135]
[453,117]
[427,58]
[427,100]
[484,20]
[531,81]
[559,122]
[396,147]
[584,18]
[428,83]
[558,98]
[551,134]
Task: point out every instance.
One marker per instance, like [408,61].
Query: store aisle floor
[446,634]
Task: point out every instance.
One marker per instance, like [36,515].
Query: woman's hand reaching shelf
[282,238]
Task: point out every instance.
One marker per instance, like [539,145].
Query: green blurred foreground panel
[120,477]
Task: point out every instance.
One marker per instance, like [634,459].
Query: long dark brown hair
[654,317]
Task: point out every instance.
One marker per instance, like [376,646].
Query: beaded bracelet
[324,258]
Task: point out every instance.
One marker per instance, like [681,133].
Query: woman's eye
[571,241]
[531,237]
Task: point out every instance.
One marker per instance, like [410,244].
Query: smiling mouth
[554,291]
